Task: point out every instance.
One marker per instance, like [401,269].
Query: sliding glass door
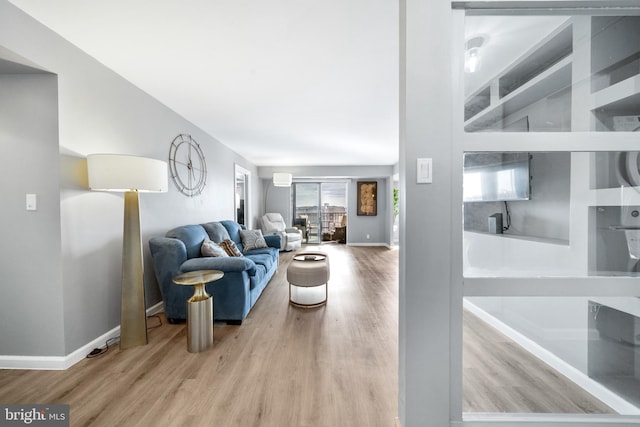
[321,208]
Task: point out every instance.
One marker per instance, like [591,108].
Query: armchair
[273,223]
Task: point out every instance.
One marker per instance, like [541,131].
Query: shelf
[615,49]
[621,97]
[623,196]
[477,103]
[624,304]
[548,83]
[536,63]
[544,240]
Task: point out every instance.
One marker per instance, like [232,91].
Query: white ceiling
[283,82]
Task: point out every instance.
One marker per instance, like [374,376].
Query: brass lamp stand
[133,316]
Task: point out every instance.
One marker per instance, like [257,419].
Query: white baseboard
[594,388]
[367,244]
[65,362]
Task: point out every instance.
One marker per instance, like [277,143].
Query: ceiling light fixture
[282,179]
[472,54]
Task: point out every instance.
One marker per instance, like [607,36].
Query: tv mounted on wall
[496,177]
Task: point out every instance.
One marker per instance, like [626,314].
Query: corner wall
[30,277]
[428,328]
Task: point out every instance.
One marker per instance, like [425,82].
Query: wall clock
[187,165]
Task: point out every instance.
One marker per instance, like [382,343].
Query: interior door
[556,271]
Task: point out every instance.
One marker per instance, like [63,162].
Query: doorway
[242,178]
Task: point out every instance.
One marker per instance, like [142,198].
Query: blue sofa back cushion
[192,236]
[233,228]
[216,231]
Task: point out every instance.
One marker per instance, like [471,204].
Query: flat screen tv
[495,177]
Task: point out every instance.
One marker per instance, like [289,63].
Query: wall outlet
[368,236]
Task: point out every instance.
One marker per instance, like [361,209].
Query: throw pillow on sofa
[212,249]
[252,239]
[230,247]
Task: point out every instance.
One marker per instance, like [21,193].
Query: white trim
[550,420]
[368,244]
[593,387]
[59,363]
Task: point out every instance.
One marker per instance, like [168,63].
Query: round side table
[199,308]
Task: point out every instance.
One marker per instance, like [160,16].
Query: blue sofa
[244,278]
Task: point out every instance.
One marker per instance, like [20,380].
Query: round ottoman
[309,269]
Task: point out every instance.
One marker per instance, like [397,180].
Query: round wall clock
[187,164]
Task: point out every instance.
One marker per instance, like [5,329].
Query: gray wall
[376,227]
[278,199]
[30,277]
[98,112]
[379,227]
[546,214]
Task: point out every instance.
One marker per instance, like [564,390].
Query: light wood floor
[500,376]
[330,366]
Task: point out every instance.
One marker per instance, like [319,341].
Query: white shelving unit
[545,72]
[578,78]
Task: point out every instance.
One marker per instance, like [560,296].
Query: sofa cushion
[233,228]
[230,248]
[258,277]
[216,231]
[252,239]
[212,249]
[192,236]
[271,251]
[226,265]
[265,260]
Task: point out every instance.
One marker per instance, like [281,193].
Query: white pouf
[309,269]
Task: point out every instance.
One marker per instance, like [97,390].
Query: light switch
[32,202]
[424,171]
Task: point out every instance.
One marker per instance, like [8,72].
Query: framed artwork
[367,198]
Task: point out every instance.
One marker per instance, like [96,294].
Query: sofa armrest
[293,230]
[273,240]
[167,254]
[224,264]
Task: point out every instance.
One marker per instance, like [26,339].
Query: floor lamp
[131,175]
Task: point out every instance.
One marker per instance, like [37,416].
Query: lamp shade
[116,172]
[282,179]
